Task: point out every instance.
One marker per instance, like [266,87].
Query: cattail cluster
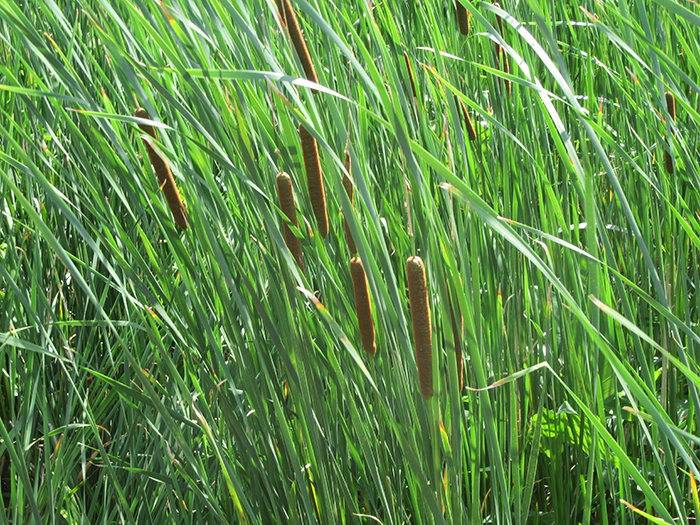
[464,115]
[422,329]
[165,176]
[462,18]
[350,190]
[289,18]
[671,106]
[314,179]
[457,335]
[286,200]
[363,306]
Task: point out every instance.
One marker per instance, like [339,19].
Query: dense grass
[151,375]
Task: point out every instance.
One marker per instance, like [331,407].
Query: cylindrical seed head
[363,306]
[462,18]
[422,329]
[671,105]
[668,162]
[286,12]
[500,29]
[286,200]
[165,176]
[314,180]
[350,190]
[506,69]
[410,74]
[462,110]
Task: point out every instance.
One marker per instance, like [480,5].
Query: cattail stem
[314,179]
[363,306]
[165,176]
[422,329]
[464,114]
[457,335]
[671,106]
[350,190]
[410,75]
[286,12]
[462,18]
[286,199]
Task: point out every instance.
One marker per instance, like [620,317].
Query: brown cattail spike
[422,330]
[314,179]
[457,335]
[506,69]
[350,190]
[500,53]
[286,198]
[286,12]
[462,19]
[464,114]
[668,162]
[671,106]
[500,29]
[363,306]
[410,75]
[165,176]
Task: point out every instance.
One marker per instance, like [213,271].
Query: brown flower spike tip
[671,105]
[350,190]
[286,198]
[462,19]
[363,306]
[289,18]
[165,176]
[314,180]
[422,329]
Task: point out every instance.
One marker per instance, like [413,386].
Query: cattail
[410,75]
[457,335]
[165,177]
[501,55]
[500,29]
[286,198]
[422,331]
[462,19]
[506,69]
[462,110]
[671,105]
[350,190]
[314,179]
[288,16]
[362,306]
